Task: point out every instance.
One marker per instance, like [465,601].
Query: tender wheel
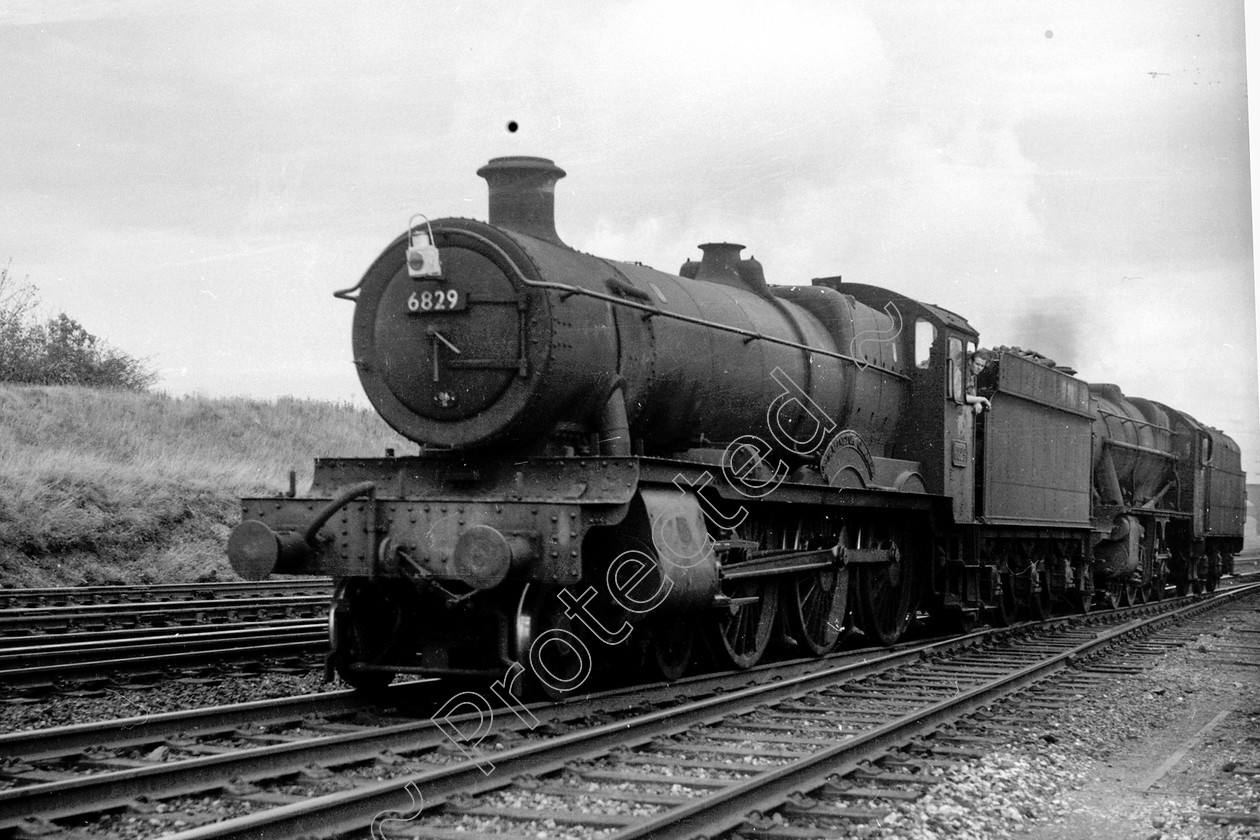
[1213,572]
[884,594]
[742,631]
[1181,572]
[1196,572]
[1227,563]
[1110,597]
[815,603]
[1032,589]
[1005,604]
[364,624]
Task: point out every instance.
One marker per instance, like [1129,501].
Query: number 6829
[436,300]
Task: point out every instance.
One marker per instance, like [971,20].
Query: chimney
[720,263]
[523,195]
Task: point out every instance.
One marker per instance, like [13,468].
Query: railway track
[71,640]
[37,662]
[684,759]
[43,646]
[158,592]
[65,618]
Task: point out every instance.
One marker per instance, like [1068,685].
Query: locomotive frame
[663,464]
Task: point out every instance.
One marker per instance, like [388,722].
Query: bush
[59,351]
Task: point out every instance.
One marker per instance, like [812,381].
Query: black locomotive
[616,463]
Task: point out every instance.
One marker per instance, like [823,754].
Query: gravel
[84,705]
[1034,782]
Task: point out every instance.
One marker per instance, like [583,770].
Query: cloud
[951,151]
[39,13]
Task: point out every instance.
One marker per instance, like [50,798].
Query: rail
[953,684]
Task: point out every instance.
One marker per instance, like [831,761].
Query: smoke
[1052,327]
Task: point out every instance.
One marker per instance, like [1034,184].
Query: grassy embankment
[121,487]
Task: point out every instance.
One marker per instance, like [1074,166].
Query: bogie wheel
[556,661]
[364,624]
[1082,601]
[669,649]
[815,603]
[885,594]
[742,631]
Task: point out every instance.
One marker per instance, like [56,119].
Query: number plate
[435,300]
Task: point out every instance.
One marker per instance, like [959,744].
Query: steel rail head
[355,809]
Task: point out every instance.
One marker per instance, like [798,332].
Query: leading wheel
[742,630]
[668,649]
[815,603]
[364,625]
[556,661]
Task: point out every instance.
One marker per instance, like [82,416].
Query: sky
[193,181]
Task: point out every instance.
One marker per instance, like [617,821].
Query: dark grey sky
[1074,177]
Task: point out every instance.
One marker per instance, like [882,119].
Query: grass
[121,487]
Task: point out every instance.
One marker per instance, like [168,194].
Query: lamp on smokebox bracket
[422,253]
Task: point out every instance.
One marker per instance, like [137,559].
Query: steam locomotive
[617,459]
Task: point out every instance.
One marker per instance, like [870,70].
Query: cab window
[957,367]
[924,338]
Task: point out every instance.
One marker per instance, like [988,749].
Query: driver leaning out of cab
[976,363]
